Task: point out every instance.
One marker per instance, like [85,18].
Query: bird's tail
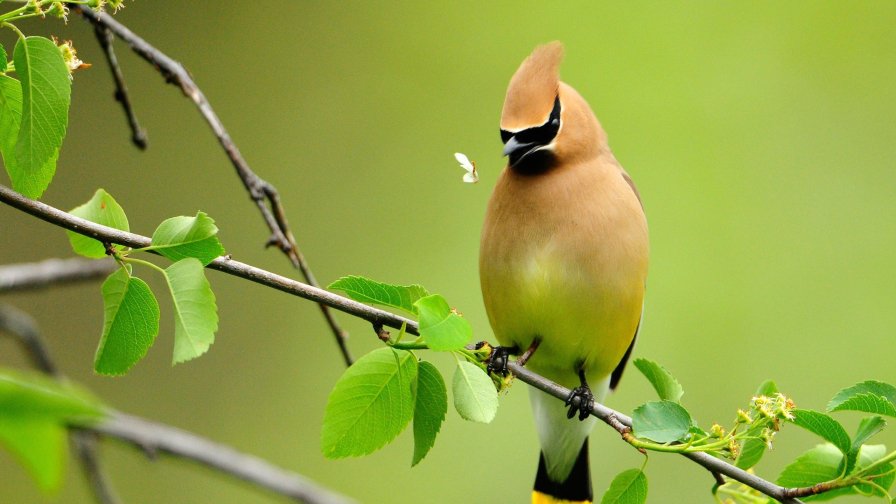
[575,489]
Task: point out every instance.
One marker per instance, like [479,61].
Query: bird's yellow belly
[583,317]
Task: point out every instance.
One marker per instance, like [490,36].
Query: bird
[563,263]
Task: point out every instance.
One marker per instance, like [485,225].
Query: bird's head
[543,119]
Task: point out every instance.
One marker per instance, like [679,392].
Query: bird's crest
[533,88]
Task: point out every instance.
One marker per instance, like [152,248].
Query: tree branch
[225,264]
[104,37]
[622,423]
[51,272]
[265,195]
[154,437]
[379,319]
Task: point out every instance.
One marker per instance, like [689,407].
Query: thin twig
[154,438]
[265,195]
[52,272]
[619,421]
[105,38]
[85,444]
[23,328]
[622,423]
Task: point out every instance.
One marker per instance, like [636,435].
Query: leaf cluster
[383,391]
[131,312]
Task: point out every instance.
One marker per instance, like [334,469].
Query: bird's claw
[497,361]
[580,400]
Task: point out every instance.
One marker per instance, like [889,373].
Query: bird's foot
[498,359]
[580,400]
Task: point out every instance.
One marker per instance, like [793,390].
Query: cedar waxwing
[563,262]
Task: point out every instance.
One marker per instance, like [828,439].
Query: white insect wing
[471,177]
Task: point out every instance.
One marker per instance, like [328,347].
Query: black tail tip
[576,487]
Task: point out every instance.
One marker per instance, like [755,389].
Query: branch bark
[155,438]
[379,318]
[51,272]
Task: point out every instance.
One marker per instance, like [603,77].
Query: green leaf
[371,403]
[180,237]
[429,409]
[101,209]
[661,421]
[751,452]
[870,396]
[825,426]
[31,394]
[867,428]
[475,397]
[10,117]
[39,445]
[440,327]
[2,59]
[767,388]
[46,95]
[823,463]
[662,380]
[883,476]
[195,311]
[628,487]
[130,323]
[36,410]
[370,291]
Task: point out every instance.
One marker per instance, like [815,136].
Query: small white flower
[472,176]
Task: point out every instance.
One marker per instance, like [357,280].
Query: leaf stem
[144,263]
[410,345]
[12,27]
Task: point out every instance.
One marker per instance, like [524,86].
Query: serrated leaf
[430,408]
[661,421]
[180,237]
[370,291]
[662,380]
[767,388]
[371,403]
[628,487]
[130,323]
[46,95]
[751,452]
[825,426]
[195,311]
[440,327]
[36,411]
[823,463]
[10,117]
[101,209]
[475,397]
[869,396]
[868,427]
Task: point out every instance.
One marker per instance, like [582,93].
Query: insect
[472,176]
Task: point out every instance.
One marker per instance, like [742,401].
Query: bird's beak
[515,146]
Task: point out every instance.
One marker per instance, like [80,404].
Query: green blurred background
[761,136]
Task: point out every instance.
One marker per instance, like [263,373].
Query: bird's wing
[616,375]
